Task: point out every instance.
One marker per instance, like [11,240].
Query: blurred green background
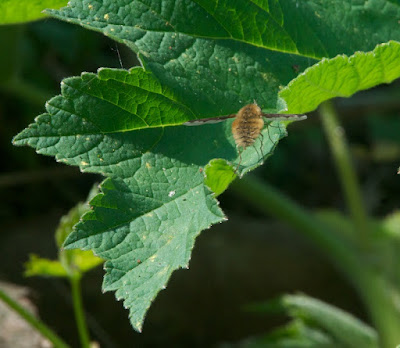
[250,258]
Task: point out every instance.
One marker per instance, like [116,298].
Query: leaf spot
[171,193]
[106,17]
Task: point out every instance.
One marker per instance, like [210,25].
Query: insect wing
[208,120]
[285,117]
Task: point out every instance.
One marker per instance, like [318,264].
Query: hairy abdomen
[246,131]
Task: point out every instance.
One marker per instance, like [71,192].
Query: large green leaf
[220,55]
[127,126]
[13,12]
[118,115]
[192,53]
[308,28]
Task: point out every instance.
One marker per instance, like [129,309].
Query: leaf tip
[138,326]
[70,242]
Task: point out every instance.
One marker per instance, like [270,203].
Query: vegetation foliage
[202,59]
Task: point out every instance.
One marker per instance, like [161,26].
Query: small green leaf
[391,225]
[345,328]
[13,12]
[68,221]
[71,263]
[37,266]
[315,319]
[218,175]
[75,262]
[296,334]
[342,76]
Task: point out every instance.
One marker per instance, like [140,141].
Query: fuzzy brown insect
[247,125]
[249,122]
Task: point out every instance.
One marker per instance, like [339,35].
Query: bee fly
[248,124]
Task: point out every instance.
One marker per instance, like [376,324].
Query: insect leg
[262,145]
[240,159]
[269,136]
[255,148]
[273,126]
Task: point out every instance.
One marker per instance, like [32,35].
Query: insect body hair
[247,126]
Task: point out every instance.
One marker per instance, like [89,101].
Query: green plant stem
[33,321]
[348,178]
[270,201]
[374,289]
[381,300]
[78,310]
